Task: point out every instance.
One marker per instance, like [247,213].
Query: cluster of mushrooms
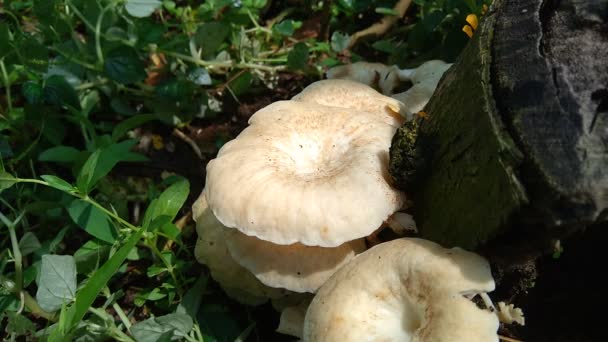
[291,206]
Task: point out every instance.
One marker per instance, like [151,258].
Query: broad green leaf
[339,41]
[163,328]
[142,8]
[59,92]
[87,294]
[92,220]
[167,205]
[123,65]
[19,324]
[297,57]
[84,181]
[132,122]
[90,256]
[287,27]
[32,92]
[193,297]
[57,282]
[102,161]
[242,83]
[6,180]
[58,183]
[210,36]
[151,331]
[62,154]
[28,244]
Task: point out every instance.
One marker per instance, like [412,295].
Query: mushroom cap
[404,290]
[295,267]
[350,94]
[385,77]
[429,70]
[304,172]
[212,251]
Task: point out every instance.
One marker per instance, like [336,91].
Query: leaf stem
[7,85]
[98,33]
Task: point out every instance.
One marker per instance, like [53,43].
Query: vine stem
[7,85]
[227,64]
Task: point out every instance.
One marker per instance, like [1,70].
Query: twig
[383,25]
[188,141]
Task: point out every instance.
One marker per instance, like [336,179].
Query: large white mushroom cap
[304,172]
[404,290]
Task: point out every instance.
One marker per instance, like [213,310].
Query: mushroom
[404,290]
[296,267]
[424,80]
[354,95]
[305,173]
[212,251]
[375,75]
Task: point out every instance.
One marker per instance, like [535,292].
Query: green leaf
[28,244]
[162,328]
[339,41]
[61,154]
[32,92]
[5,45]
[167,205]
[297,57]
[84,181]
[151,331]
[210,37]
[92,220]
[132,122]
[287,27]
[59,92]
[193,297]
[241,84]
[6,180]
[90,256]
[142,8]
[57,281]
[87,294]
[102,161]
[19,324]
[123,65]
[58,183]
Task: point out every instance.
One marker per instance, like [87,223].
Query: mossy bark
[504,145]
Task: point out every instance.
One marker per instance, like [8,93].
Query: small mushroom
[404,290]
[424,81]
[376,75]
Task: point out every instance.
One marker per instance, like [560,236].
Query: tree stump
[516,139]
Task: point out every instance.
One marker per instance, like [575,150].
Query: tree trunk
[516,140]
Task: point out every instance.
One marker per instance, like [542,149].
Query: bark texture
[517,132]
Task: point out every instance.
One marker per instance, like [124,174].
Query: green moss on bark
[459,170]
